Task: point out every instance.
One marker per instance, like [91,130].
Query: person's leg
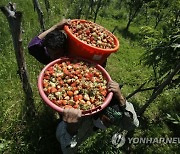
[64,138]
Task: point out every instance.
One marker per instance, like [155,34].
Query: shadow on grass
[39,132]
[128,34]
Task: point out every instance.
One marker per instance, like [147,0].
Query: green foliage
[133,8]
[4,145]
[159,10]
[175,119]
[21,134]
[149,37]
[165,56]
[77,9]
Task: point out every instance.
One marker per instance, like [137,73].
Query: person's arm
[114,87]
[58,26]
[36,44]
[71,117]
[127,119]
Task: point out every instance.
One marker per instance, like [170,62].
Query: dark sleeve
[37,50]
[104,64]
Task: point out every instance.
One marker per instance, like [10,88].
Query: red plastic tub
[78,48]
[59,109]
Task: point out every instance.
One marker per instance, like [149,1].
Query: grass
[23,134]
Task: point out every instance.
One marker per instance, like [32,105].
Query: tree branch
[14,19]
[40,14]
[137,90]
[159,89]
[114,29]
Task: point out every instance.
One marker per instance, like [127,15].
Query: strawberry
[70,93]
[53,90]
[76,98]
[74,84]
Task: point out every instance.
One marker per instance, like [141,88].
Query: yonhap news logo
[118,140]
[155,140]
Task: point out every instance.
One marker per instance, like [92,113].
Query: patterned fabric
[125,118]
[113,115]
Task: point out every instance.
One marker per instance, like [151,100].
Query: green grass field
[23,134]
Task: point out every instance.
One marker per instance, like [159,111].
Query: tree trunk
[159,89]
[14,20]
[127,26]
[91,2]
[40,14]
[47,4]
[114,29]
[97,10]
[131,17]
[79,12]
[133,12]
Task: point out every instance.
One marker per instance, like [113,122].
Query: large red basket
[59,109]
[78,48]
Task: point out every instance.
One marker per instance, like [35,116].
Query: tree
[90,9]
[165,59]
[133,7]
[160,10]
[77,9]
[95,6]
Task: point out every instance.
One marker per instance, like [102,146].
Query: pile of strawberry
[92,34]
[76,84]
